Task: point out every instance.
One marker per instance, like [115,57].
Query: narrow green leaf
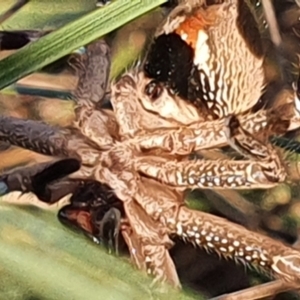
[47,261]
[71,37]
[45,15]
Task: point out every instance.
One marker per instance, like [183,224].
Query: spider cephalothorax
[139,152]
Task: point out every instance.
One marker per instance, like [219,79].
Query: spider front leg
[146,239]
[263,170]
[42,179]
[93,74]
[97,124]
[48,140]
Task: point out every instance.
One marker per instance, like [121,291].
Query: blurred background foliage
[41,259]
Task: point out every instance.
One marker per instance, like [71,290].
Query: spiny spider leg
[263,172]
[93,74]
[98,125]
[146,239]
[48,140]
[212,233]
[210,134]
[221,236]
[235,242]
[148,243]
[245,143]
[220,174]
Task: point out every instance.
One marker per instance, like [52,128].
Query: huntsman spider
[132,163]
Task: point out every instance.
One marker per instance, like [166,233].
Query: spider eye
[153,89]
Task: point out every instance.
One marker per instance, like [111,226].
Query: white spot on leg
[203,232]
[236,243]
[191,180]
[179,229]
[263,257]
[230,249]
[217,181]
[217,239]
[179,178]
[190,233]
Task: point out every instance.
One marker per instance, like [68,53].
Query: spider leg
[93,74]
[46,139]
[211,134]
[233,241]
[93,71]
[146,239]
[36,179]
[263,170]
[148,244]
[16,39]
[217,234]
[33,135]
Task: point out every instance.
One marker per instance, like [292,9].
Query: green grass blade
[47,261]
[45,15]
[70,37]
